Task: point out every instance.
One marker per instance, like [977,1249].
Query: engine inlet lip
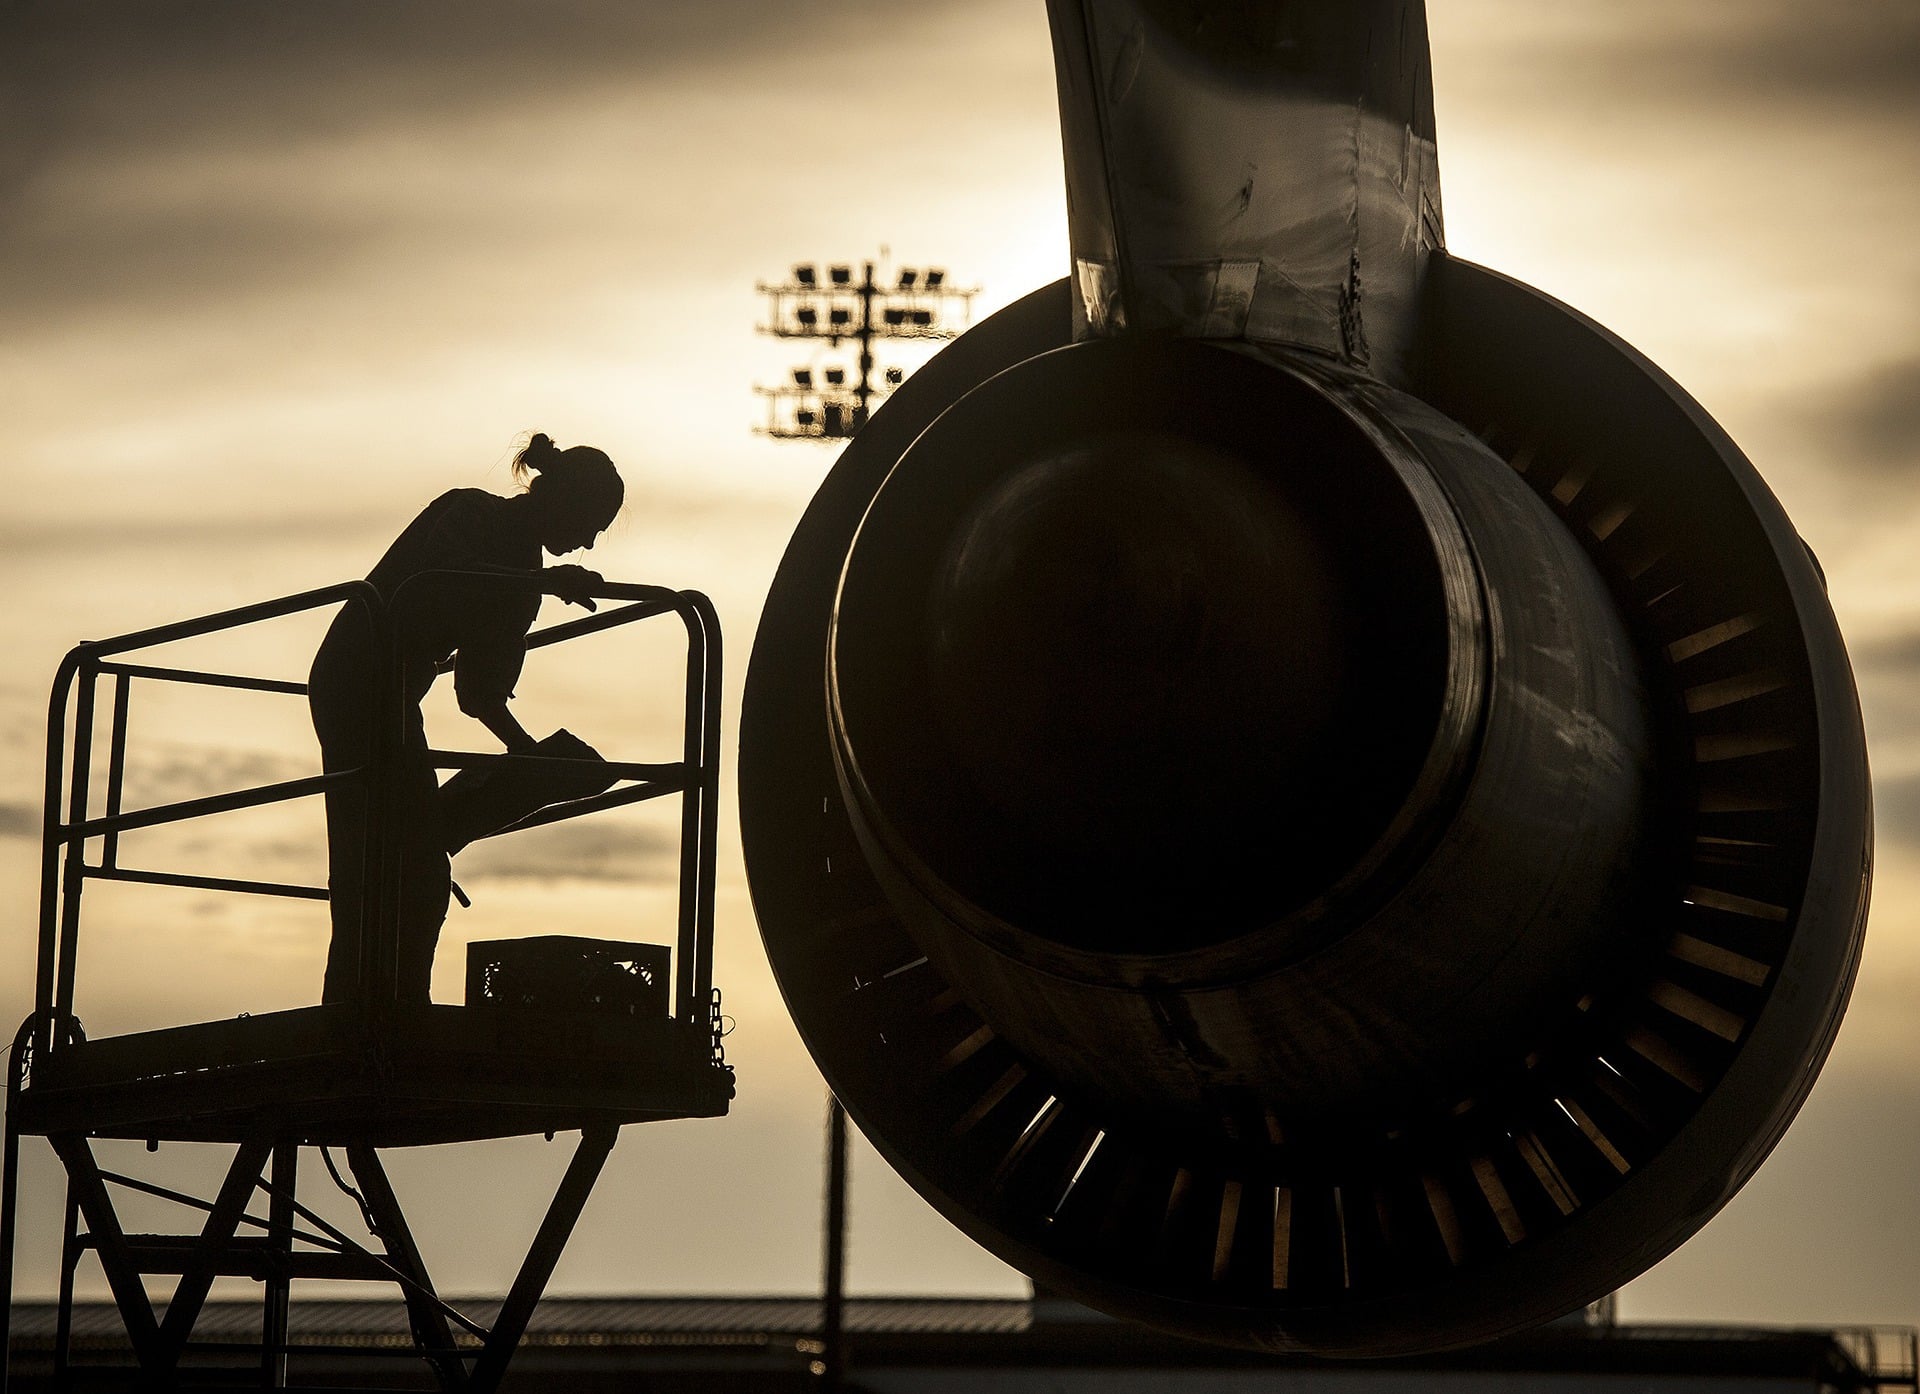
[1371,881]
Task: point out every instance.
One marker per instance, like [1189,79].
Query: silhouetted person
[573,495]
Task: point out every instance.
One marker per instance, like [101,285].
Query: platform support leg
[70,1252]
[110,1244]
[223,1220]
[9,1202]
[278,1296]
[568,1201]
[431,1332]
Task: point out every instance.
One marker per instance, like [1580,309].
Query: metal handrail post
[709,805]
[10,1193]
[687,950]
[51,845]
[73,875]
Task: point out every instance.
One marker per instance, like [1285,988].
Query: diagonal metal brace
[425,1312]
[564,1212]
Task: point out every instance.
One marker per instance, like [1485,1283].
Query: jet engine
[1298,789]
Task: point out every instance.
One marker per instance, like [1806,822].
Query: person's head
[574,493]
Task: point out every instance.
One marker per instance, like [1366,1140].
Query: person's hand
[571,584]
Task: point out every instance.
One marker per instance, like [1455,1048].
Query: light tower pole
[910,304]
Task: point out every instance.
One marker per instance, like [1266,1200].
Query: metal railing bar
[660,603]
[216,803]
[116,765]
[555,764]
[231,619]
[613,798]
[206,883]
[202,679]
[134,1183]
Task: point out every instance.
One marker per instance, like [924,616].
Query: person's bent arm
[571,584]
[491,712]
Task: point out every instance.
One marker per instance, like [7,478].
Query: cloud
[19,820]
[605,851]
[174,773]
[1861,55]
[118,533]
[1896,810]
[1874,423]
[1739,55]
[222,73]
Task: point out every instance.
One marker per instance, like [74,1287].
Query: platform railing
[1889,1356]
[75,702]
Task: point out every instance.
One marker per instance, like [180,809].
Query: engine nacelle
[1298,851]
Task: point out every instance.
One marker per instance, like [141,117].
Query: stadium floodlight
[854,302]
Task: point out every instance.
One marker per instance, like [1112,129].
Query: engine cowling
[1562,963]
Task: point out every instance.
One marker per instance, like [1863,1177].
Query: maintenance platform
[558,1034]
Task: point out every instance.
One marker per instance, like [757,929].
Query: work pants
[338,696]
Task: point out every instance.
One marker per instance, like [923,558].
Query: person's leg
[337,701]
[346,889]
[425,879]
[338,694]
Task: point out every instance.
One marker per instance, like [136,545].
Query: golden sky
[271,278]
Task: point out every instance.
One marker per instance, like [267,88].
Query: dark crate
[559,972]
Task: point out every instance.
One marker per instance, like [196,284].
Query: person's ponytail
[540,454]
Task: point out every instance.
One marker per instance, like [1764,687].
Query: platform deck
[337,1074]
